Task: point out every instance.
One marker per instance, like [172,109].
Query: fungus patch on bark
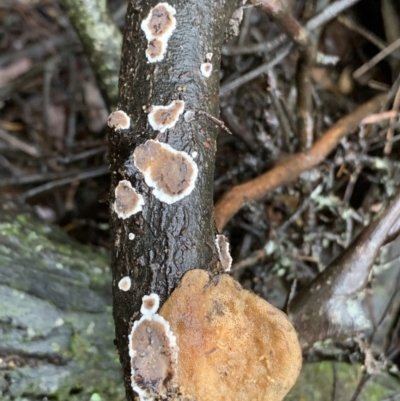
[153,351]
[164,117]
[233,345]
[150,304]
[206,69]
[125,283]
[171,173]
[119,120]
[127,201]
[158,27]
[131,236]
[224,255]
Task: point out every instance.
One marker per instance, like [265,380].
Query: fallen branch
[237,197]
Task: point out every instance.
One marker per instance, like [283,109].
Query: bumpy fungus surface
[119,120]
[164,117]
[171,173]
[158,27]
[127,200]
[233,345]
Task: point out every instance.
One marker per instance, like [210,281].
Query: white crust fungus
[164,117]
[131,236]
[119,120]
[171,173]
[206,69]
[153,351]
[125,283]
[224,255]
[158,28]
[127,201]
[150,304]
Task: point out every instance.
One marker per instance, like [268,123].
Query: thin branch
[237,197]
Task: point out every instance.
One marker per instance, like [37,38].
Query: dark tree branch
[169,239]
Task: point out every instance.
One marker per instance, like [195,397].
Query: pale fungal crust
[225,258]
[119,120]
[153,352]
[164,117]
[150,304]
[171,173]
[233,345]
[131,236]
[206,69]
[158,27]
[127,201]
[125,283]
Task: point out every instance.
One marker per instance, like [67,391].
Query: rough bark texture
[169,239]
[55,315]
[101,40]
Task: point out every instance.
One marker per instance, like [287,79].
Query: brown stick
[234,199]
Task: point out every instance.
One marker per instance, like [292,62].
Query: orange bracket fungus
[233,345]
[224,256]
[127,201]
[158,28]
[153,352]
[164,117]
[119,120]
[171,173]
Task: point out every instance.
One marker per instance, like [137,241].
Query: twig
[18,143]
[322,18]
[376,59]
[390,133]
[216,121]
[233,200]
[96,172]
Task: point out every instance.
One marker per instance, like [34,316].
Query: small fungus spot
[158,28]
[150,304]
[206,69]
[188,116]
[194,154]
[125,283]
[119,120]
[209,57]
[131,236]
[153,351]
[127,201]
[164,117]
[224,255]
[171,173]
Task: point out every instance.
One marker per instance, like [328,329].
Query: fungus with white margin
[127,201]
[119,120]
[225,258]
[171,173]
[158,28]
[150,304]
[125,283]
[233,345]
[153,352]
[206,69]
[164,117]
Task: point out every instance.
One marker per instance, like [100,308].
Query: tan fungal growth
[233,345]
[158,28]
[127,201]
[172,174]
[225,258]
[153,352]
[206,69]
[119,120]
[125,283]
[150,304]
[164,117]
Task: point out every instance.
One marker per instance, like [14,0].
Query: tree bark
[55,323]
[169,239]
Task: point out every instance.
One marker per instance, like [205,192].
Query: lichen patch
[127,201]
[163,117]
[172,174]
